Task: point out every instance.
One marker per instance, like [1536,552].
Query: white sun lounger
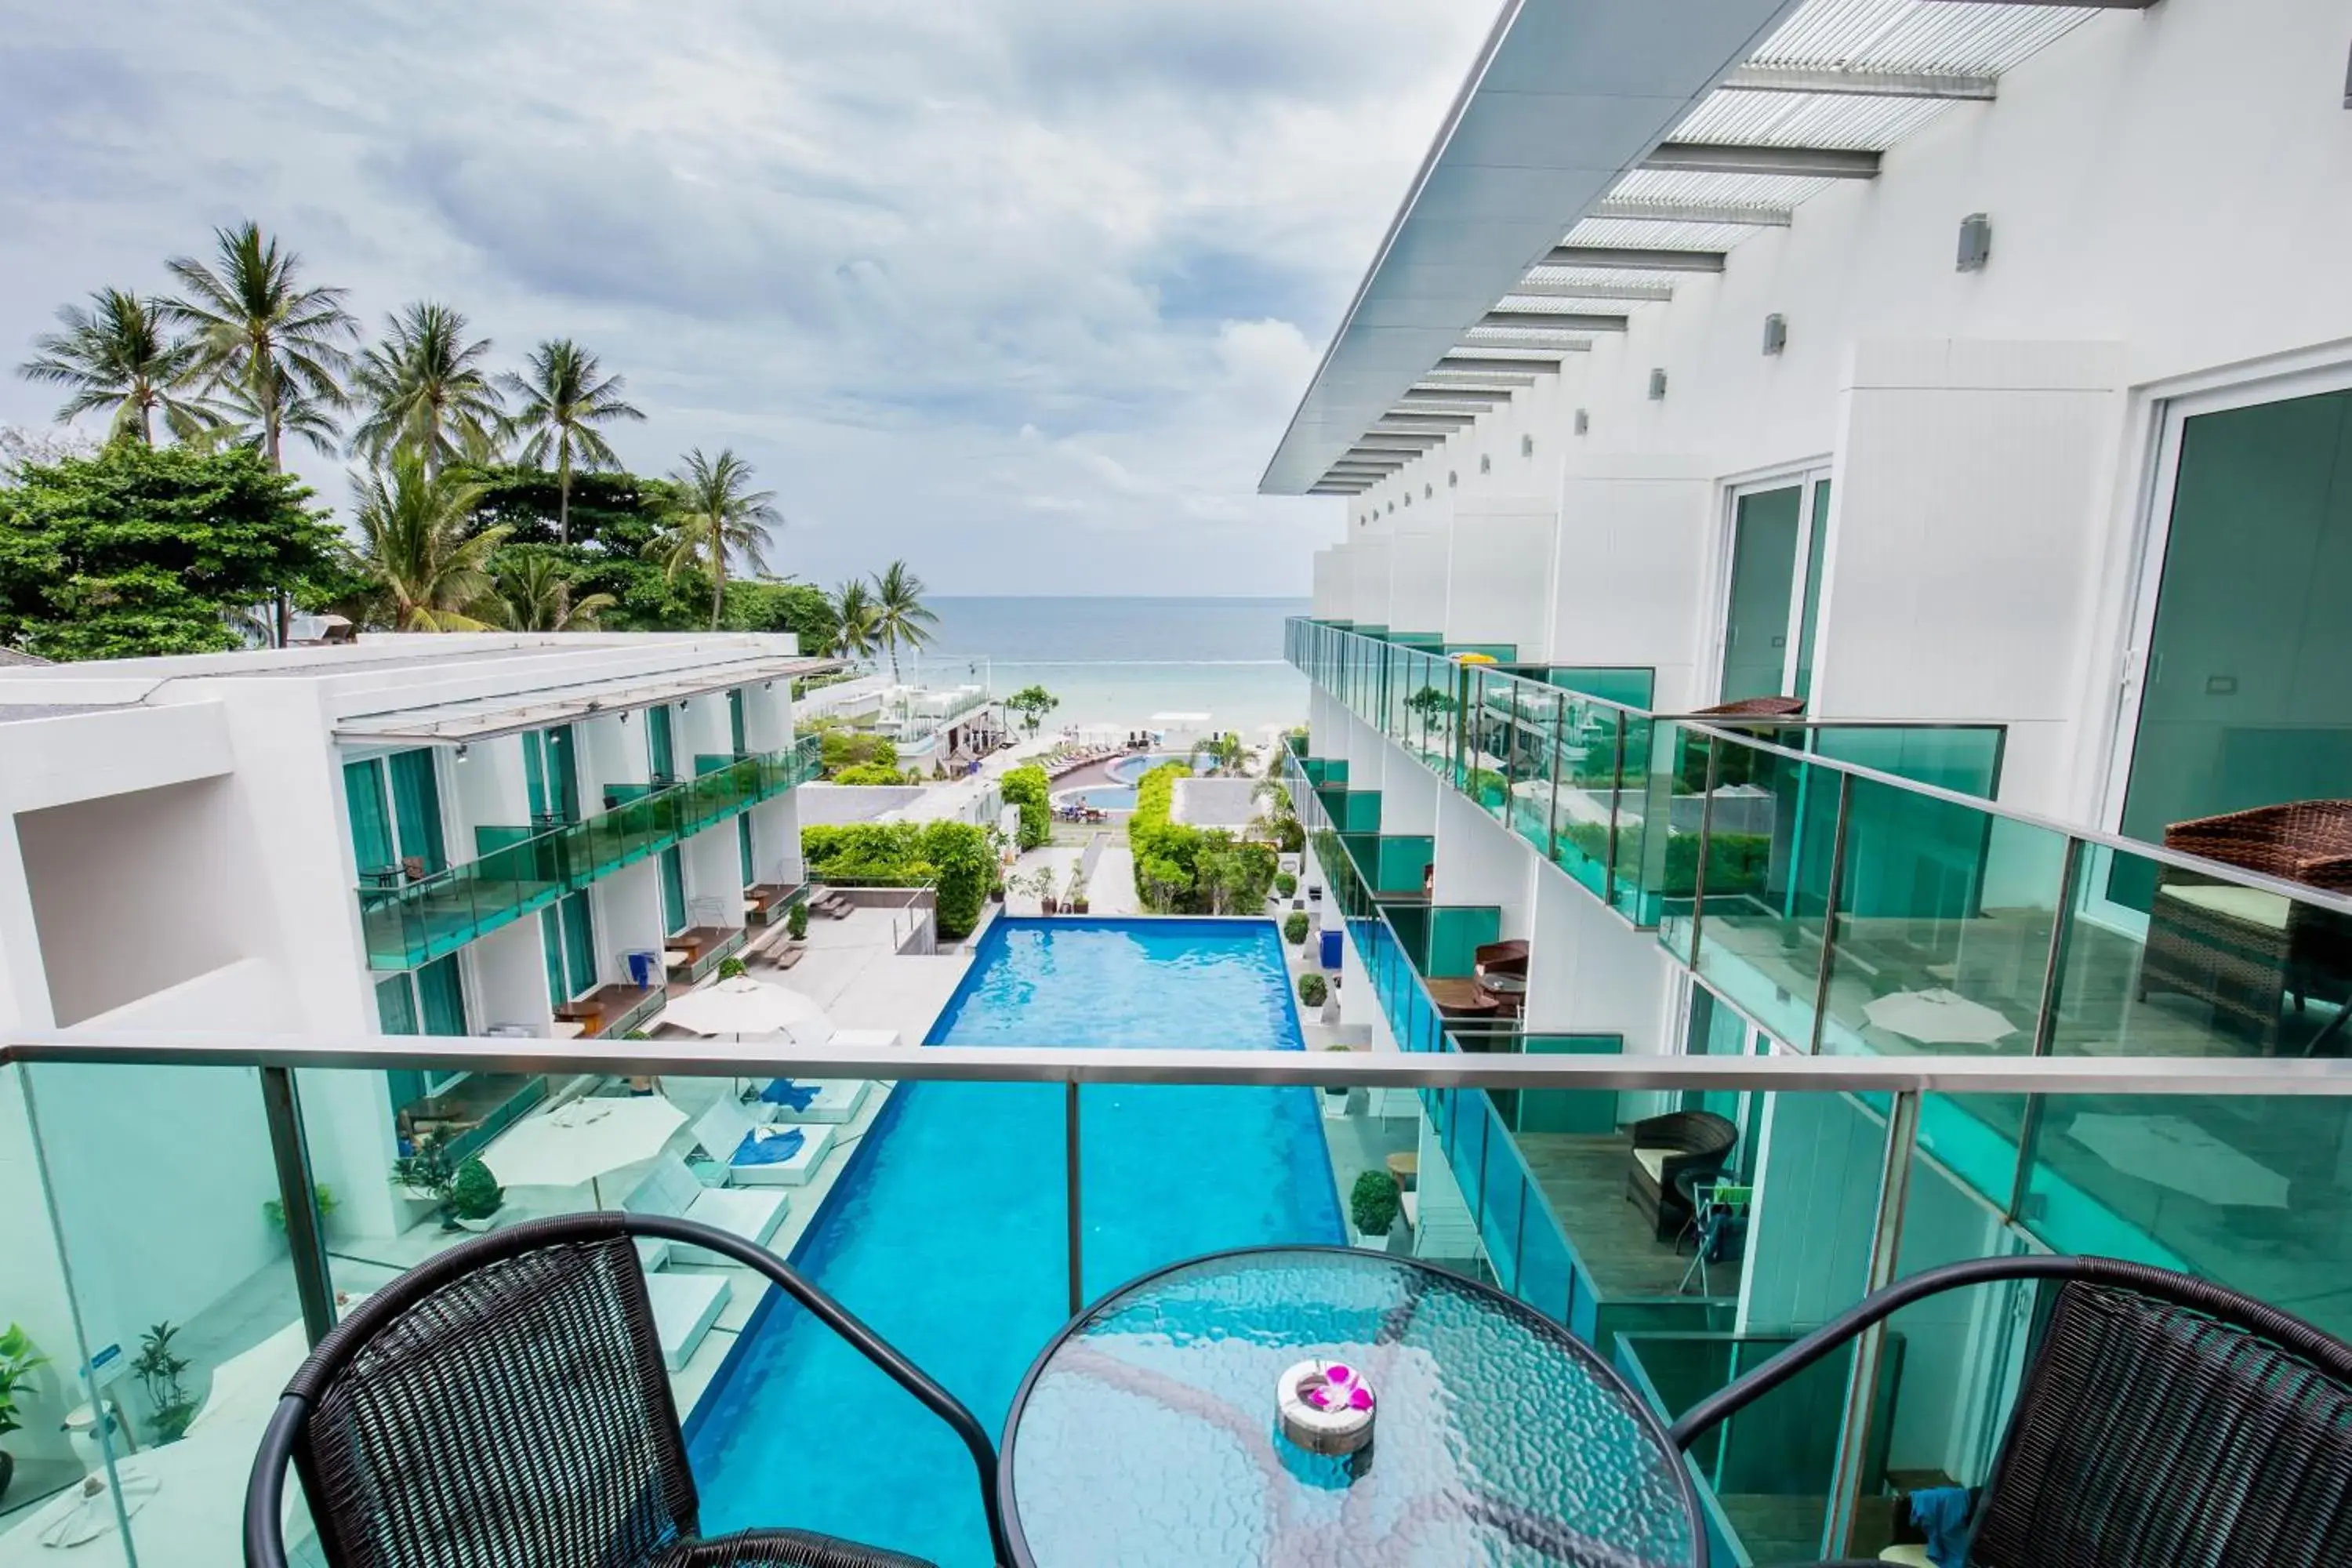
[670,1189]
[837,1100]
[724,1129]
[684,1307]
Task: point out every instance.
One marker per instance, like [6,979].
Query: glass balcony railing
[1853,1187]
[1854,892]
[413,922]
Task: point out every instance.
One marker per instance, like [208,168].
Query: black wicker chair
[2165,1422]
[504,1406]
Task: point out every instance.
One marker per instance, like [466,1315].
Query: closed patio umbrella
[2174,1151]
[582,1143]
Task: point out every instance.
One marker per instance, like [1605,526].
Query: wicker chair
[2240,949]
[504,1406]
[1756,708]
[2164,1421]
[1667,1147]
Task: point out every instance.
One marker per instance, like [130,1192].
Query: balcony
[1852,1191]
[413,922]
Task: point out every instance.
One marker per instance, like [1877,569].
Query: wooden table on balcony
[1458,996]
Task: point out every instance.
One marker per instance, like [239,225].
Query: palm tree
[899,614]
[428,574]
[530,593]
[719,513]
[852,619]
[277,348]
[423,387]
[120,355]
[565,394]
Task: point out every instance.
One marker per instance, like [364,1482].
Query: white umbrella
[1938,1018]
[2173,1152]
[582,1143]
[746,1006]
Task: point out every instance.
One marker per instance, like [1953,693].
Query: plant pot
[7,1472]
[476,1226]
[1375,1243]
[1334,1106]
[1298,903]
[1048,906]
[995,895]
[1079,906]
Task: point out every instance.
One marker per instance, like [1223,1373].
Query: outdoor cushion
[2251,906]
[1654,1160]
[685,1306]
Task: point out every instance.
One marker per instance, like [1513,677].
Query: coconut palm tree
[277,348]
[563,397]
[900,614]
[719,514]
[428,574]
[423,387]
[852,619]
[529,592]
[120,355]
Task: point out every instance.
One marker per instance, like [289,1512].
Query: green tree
[530,592]
[119,357]
[276,349]
[719,513]
[1028,789]
[426,572]
[854,630]
[771,604]
[422,388]
[900,617]
[1033,703]
[138,550]
[561,401]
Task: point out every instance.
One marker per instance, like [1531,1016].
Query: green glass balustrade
[411,924]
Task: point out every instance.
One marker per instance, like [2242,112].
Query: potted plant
[1285,885]
[796,921]
[1078,889]
[17,1364]
[275,1212]
[1373,1205]
[731,968]
[1313,989]
[474,1197]
[1294,927]
[1042,884]
[1336,1096]
[159,1368]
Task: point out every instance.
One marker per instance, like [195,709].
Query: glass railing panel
[1588,754]
[1963,758]
[1534,755]
[1770,842]
[1627,686]
[1504,1188]
[1674,816]
[1945,916]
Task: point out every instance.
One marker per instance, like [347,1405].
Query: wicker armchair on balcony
[1697,1142]
[2244,950]
[1756,708]
[2163,1420]
[504,1406]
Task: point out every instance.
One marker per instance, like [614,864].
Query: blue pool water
[946,1232]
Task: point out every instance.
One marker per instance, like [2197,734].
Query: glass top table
[1146,1434]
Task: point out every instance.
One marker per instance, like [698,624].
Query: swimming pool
[945,1232]
[1120,797]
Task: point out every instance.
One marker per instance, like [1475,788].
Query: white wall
[1498,572]
[1589,972]
[2163,182]
[1636,544]
[1418,559]
[1480,861]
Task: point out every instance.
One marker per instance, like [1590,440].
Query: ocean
[1117,661]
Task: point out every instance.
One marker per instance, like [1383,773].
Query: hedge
[1026,787]
[1183,869]
[953,856]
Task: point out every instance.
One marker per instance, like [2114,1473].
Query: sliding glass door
[1772,603]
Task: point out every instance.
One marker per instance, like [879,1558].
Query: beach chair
[755,1155]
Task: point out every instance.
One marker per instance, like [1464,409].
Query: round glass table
[1146,1434]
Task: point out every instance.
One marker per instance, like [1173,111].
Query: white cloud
[878,247]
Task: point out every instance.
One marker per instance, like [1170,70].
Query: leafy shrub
[959,856]
[854,748]
[1294,927]
[1026,788]
[476,1194]
[731,968]
[1285,883]
[1313,989]
[954,855]
[796,920]
[867,774]
[1374,1203]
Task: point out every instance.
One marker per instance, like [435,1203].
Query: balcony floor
[1583,1176]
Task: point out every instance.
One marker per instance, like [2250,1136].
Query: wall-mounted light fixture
[1658,385]
[1427,493]
[1976,242]
[1486,463]
[461,750]
[1583,422]
[1452,479]
[1776,334]
[1527,446]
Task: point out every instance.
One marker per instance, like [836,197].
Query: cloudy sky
[1024,291]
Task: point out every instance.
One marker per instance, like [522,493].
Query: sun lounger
[685,1308]
[833,1101]
[671,1189]
[758,1156]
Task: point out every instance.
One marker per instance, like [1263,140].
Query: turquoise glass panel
[395,1005]
[1359,811]
[1817,547]
[534,773]
[1403,862]
[673,891]
[372,849]
[551,947]
[417,808]
[579,942]
[661,748]
[1964,759]
[1568,1110]
[1629,685]
[441,998]
[562,772]
[744,848]
[1457,932]
[1771,841]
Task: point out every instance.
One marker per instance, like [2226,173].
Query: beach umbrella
[743,1007]
[2174,1151]
[582,1143]
[1938,1018]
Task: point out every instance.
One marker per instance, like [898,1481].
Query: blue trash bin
[1330,954]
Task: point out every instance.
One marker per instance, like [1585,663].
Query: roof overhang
[511,713]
